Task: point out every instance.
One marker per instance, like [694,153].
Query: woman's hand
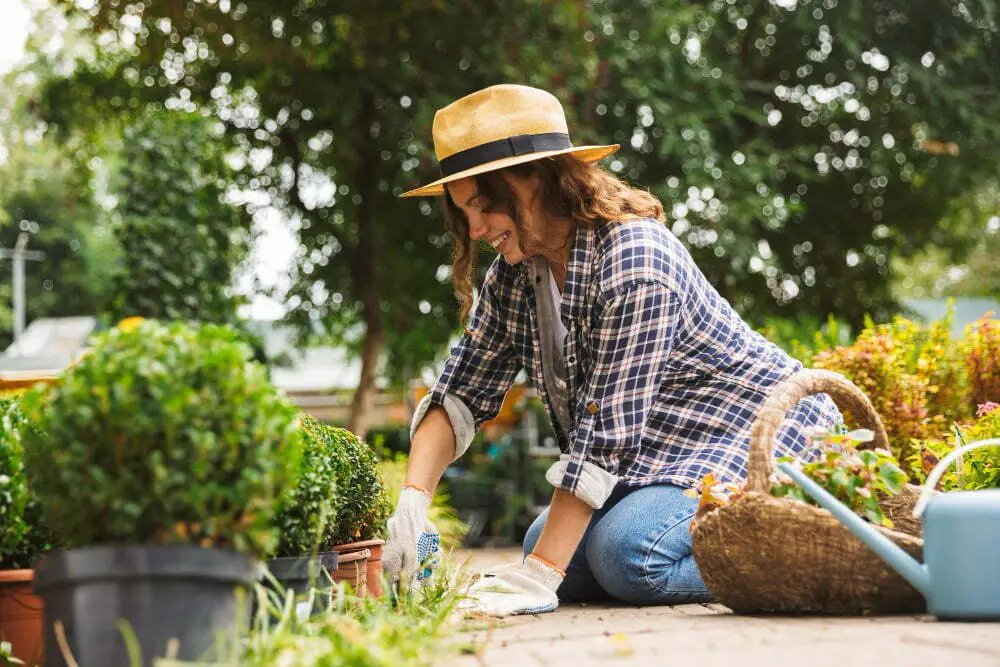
[411,537]
[401,559]
[529,588]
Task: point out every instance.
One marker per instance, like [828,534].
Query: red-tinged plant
[982,343]
[877,363]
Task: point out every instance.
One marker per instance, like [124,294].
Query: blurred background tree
[181,240]
[46,192]
[330,108]
[803,144]
[807,151]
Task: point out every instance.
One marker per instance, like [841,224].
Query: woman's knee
[643,567]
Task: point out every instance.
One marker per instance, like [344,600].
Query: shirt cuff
[462,422]
[593,485]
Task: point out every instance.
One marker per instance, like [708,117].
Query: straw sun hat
[497,127]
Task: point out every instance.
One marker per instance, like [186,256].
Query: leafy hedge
[22,536]
[340,496]
[162,433]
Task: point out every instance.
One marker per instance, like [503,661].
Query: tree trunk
[364,270]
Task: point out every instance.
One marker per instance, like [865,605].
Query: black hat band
[521,144]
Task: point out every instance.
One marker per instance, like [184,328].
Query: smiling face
[492,225]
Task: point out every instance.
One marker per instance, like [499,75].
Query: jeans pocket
[670,566]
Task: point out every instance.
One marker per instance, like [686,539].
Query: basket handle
[845,394]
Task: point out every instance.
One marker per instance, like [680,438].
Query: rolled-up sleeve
[637,325]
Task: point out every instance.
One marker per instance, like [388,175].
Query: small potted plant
[362,508]
[306,513]
[157,459]
[22,540]
[332,520]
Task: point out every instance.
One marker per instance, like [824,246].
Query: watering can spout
[899,560]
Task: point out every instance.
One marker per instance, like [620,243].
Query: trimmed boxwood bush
[362,501]
[22,536]
[162,433]
[305,517]
[340,496]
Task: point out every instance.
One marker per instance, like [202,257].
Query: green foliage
[977,469]
[47,194]
[856,477]
[306,518]
[340,496]
[7,658]
[805,336]
[165,433]
[181,240]
[799,146]
[13,487]
[981,470]
[361,632]
[22,535]
[966,266]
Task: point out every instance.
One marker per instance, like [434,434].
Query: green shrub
[340,496]
[306,514]
[363,505]
[162,433]
[22,535]
[977,469]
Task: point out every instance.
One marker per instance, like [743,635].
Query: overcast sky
[13,31]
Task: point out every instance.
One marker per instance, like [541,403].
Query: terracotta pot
[21,615]
[374,566]
[352,568]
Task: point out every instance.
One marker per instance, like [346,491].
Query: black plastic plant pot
[180,601]
[301,573]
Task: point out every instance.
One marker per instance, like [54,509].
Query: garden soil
[709,635]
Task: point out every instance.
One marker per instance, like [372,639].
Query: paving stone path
[709,635]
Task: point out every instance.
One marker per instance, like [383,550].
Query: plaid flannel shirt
[665,379]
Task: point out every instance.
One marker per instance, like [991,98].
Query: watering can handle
[932,479]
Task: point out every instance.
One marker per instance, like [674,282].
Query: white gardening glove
[529,588]
[409,526]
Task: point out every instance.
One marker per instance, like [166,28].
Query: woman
[650,378]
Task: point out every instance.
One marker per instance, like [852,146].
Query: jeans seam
[649,553]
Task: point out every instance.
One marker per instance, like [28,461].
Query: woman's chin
[513,257]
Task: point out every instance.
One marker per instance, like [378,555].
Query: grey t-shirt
[552,334]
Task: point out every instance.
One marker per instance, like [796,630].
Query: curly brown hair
[568,189]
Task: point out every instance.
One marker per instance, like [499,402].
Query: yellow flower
[130,323]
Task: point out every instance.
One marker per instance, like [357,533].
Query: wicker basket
[762,554]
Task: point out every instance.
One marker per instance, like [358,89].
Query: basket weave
[762,554]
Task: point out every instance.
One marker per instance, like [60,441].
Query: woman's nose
[476,227]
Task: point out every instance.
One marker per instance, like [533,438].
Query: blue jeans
[637,549]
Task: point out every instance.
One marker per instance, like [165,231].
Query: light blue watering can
[961,575]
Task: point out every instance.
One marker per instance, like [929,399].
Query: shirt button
[571,359]
[592,408]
